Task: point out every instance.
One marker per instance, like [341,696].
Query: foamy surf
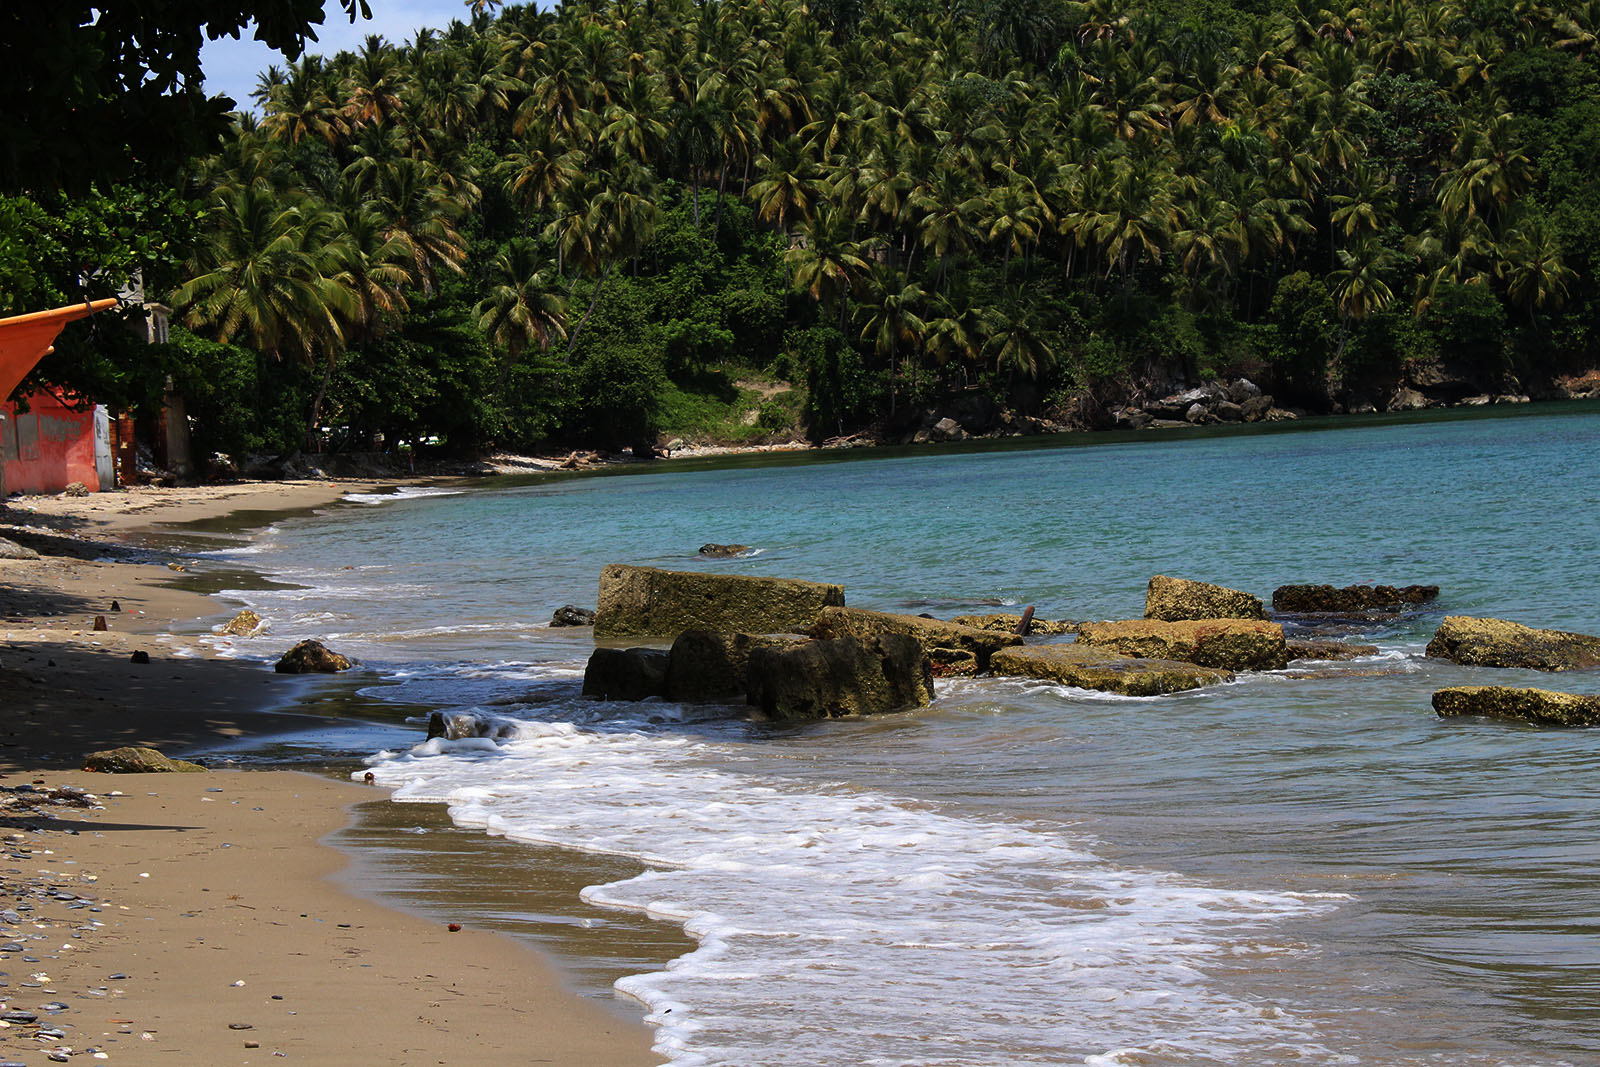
[839,925]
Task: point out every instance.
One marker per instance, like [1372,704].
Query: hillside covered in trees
[579,225]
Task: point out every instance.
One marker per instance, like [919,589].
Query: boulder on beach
[1179,599]
[569,615]
[645,601]
[1086,667]
[245,624]
[715,551]
[311,657]
[12,550]
[625,673]
[1351,600]
[136,760]
[1542,707]
[1329,650]
[1007,624]
[933,635]
[707,666]
[1498,643]
[1231,644]
[841,676]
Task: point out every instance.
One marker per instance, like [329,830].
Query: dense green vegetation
[582,225]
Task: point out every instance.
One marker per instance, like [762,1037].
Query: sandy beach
[197,918]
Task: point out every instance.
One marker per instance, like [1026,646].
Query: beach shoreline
[215,894]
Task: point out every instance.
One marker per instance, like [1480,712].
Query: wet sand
[203,881]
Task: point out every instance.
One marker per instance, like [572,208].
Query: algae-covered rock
[311,657]
[1498,643]
[645,601]
[1179,599]
[136,760]
[1231,644]
[1351,600]
[1087,667]
[571,615]
[245,624]
[716,551]
[625,673]
[1542,707]
[843,676]
[932,634]
[1329,650]
[704,665]
[1007,624]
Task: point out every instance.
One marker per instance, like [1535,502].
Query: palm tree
[790,186]
[523,305]
[827,263]
[890,319]
[1532,270]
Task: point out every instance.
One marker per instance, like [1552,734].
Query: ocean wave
[855,925]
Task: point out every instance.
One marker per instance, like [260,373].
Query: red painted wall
[48,448]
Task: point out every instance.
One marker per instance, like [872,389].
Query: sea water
[1304,866]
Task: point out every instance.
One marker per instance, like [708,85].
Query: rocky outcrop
[136,760]
[12,550]
[1007,624]
[1230,644]
[569,615]
[1238,401]
[1351,600]
[625,673]
[704,665]
[840,676]
[311,657]
[1086,667]
[1329,650]
[644,601]
[715,551]
[1542,707]
[245,624]
[1179,599]
[1498,643]
[936,637]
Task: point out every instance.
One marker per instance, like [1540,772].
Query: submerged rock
[704,665]
[1087,667]
[1352,599]
[841,676]
[645,601]
[1542,707]
[245,624]
[1231,644]
[311,657]
[935,636]
[1007,624]
[1179,599]
[136,760]
[626,674]
[1329,650]
[568,615]
[1498,643]
[715,551]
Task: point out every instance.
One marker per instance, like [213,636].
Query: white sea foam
[841,925]
[405,492]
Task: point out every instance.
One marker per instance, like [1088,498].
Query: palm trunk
[599,286]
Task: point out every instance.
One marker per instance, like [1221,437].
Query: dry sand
[202,881]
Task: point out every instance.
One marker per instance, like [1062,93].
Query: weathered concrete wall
[47,448]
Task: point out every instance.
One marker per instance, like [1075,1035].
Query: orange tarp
[26,339]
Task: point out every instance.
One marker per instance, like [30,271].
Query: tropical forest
[601,224]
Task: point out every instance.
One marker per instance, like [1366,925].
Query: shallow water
[1286,869]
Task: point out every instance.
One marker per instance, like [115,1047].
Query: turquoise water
[1304,866]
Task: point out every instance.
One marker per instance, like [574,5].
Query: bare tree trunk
[600,285]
